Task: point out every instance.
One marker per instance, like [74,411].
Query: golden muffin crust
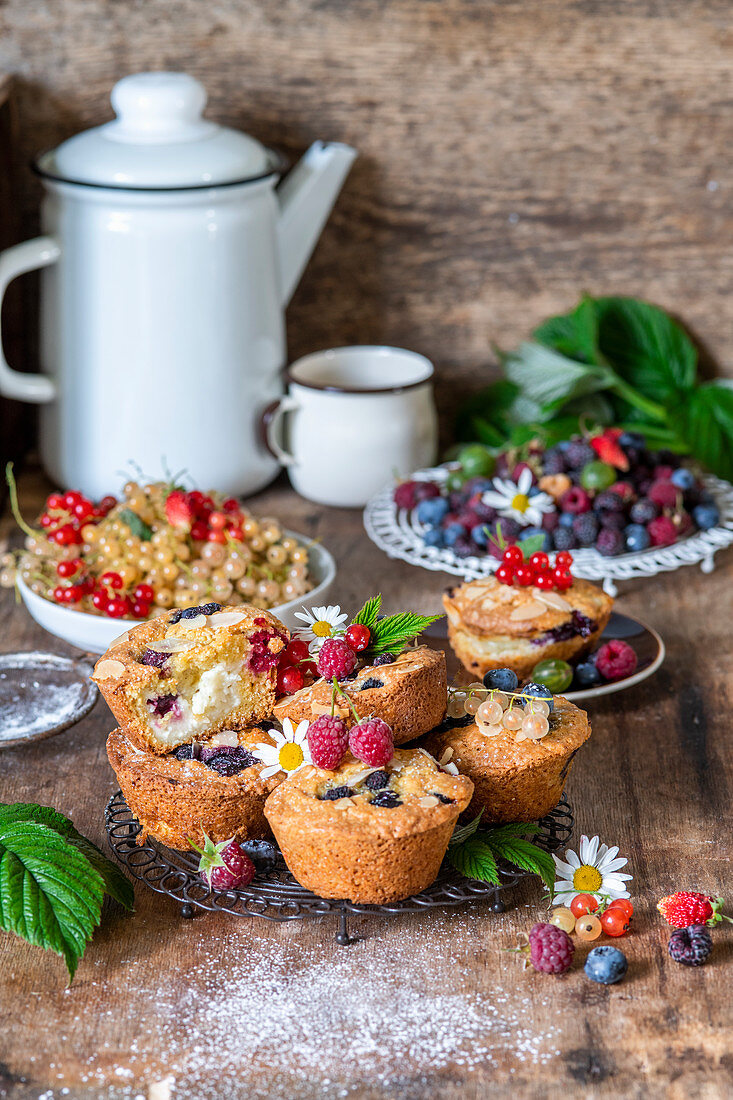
[411,698]
[177,800]
[514,781]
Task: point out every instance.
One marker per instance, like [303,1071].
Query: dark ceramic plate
[42,694]
[647,644]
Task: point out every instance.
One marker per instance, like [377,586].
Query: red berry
[513,556]
[69,568]
[575,500]
[328,740]
[564,559]
[112,580]
[71,498]
[687,907]
[238,869]
[144,592]
[289,680]
[100,601]
[234,531]
[66,536]
[664,493]
[550,949]
[309,668]
[504,573]
[231,506]
[662,531]
[74,593]
[404,495]
[371,742]
[216,536]
[336,658]
[83,509]
[358,636]
[59,593]
[582,904]
[116,607]
[218,520]
[106,505]
[46,520]
[545,581]
[563,579]
[615,660]
[624,905]
[140,609]
[295,651]
[539,560]
[524,575]
[55,501]
[199,531]
[614,922]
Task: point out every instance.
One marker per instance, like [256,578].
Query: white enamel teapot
[169,256]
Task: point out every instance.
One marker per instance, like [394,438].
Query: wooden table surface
[429,1005]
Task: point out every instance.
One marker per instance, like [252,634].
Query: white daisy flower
[512,500]
[290,751]
[321,623]
[595,870]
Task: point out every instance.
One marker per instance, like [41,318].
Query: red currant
[545,580]
[564,559]
[524,575]
[71,499]
[199,531]
[59,593]
[106,505]
[234,531]
[583,903]
[88,584]
[504,573]
[55,501]
[112,580]
[358,636]
[309,668]
[140,609]
[231,506]
[218,521]
[46,520]
[539,560]
[66,536]
[614,922]
[100,600]
[116,607]
[83,510]
[624,905]
[295,651]
[513,556]
[74,593]
[216,536]
[69,568]
[144,592]
[289,680]
[563,579]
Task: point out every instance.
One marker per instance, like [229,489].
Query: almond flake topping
[451,769]
[225,738]
[109,670]
[446,756]
[428,801]
[557,603]
[530,610]
[172,644]
[344,803]
[325,708]
[226,618]
[192,624]
[359,777]
[120,638]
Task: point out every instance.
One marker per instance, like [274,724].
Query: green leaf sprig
[53,881]
[138,527]
[391,633]
[475,852]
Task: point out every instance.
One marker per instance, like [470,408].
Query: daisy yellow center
[520,503]
[290,757]
[322,629]
[587,880]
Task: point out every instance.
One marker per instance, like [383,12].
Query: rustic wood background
[512,152]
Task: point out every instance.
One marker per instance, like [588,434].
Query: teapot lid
[159,140]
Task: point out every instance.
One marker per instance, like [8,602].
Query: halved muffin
[409,694]
[181,677]
[513,780]
[212,788]
[495,625]
[371,835]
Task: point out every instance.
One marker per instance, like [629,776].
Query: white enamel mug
[352,418]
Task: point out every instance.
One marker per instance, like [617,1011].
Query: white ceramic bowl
[94,633]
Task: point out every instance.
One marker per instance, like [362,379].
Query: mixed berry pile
[607,492]
[156,548]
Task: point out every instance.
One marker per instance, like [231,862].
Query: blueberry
[503,679]
[383,659]
[587,675]
[606,965]
[434,536]
[387,799]
[262,853]
[637,537]
[376,781]
[432,511]
[683,478]
[480,535]
[162,705]
[371,682]
[541,692]
[530,532]
[192,612]
[453,532]
[706,516]
[632,439]
[566,519]
[334,793]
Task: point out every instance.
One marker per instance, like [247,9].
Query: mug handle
[271,418]
[15,261]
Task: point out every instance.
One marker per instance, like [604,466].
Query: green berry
[476,460]
[553,674]
[597,475]
[454,481]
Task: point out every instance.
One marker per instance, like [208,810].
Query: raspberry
[328,740]
[662,531]
[664,493]
[624,490]
[575,501]
[585,527]
[404,494]
[426,490]
[578,454]
[610,542]
[564,538]
[336,658]
[643,511]
[550,949]
[371,742]
[690,907]
[690,946]
[615,660]
[228,867]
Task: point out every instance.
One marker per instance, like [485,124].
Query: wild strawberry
[608,450]
[178,509]
[686,907]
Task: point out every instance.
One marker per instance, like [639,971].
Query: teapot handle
[15,261]
[271,418]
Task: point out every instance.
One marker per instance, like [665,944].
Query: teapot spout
[306,196]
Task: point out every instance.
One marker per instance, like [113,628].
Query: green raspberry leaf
[474,859]
[532,545]
[523,854]
[138,527]
[463,832]
[369,613]
[392,633]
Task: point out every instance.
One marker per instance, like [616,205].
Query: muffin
[213,788]
[513,780]
[369,835]
[409,694]
[181,677]
[495,625]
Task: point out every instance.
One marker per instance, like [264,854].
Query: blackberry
[690,946]
[376,781]
[615,521]
[154,659]
[564,537]
[383,659]
[187,752]
[579,454]
[334,793]
[372,682]
[508,527]
[643,511]
[463,547]
[386,799]
[192,612]
[585,527]
[610,542]
[608,501]
[227,760]
[553,462]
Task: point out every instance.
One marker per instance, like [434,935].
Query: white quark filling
[216,692]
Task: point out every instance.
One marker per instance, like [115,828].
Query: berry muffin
[213,788]
[181,677]
[369,835]
[495,625]
[408,692]
[515,777]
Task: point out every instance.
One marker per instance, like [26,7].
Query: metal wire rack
[275,895]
